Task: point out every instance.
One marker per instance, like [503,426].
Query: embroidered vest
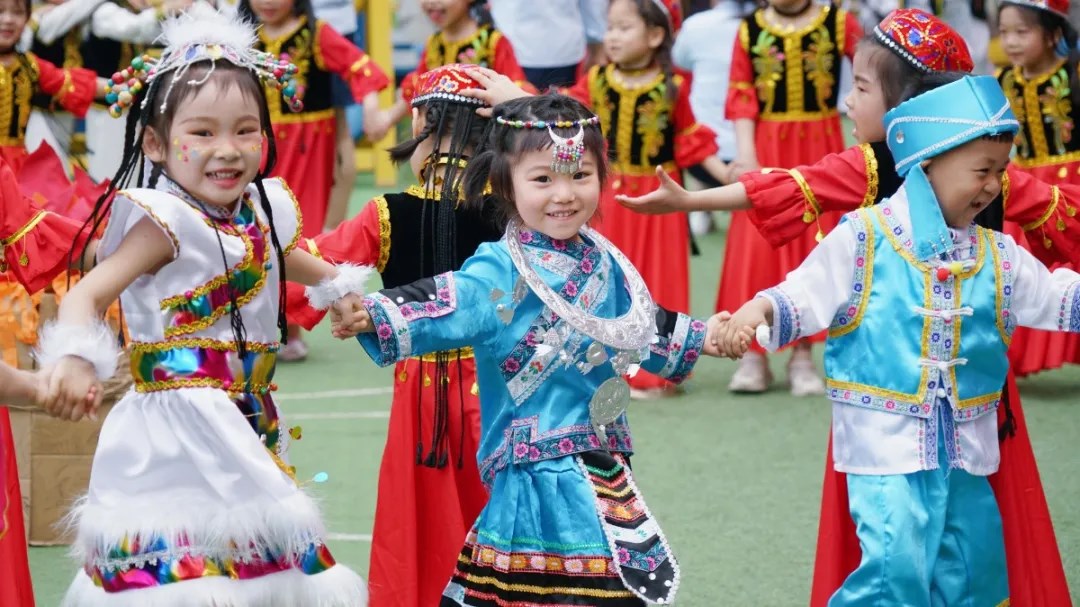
[796,74]
[1046,114]
[478,49]
[18,83]
[638,122]
[302,46]
[908,338]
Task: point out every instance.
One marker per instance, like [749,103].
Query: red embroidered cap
[1059,7]
[927,43]
[673,9]
[441,83]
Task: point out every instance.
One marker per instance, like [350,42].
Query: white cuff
[350,279]
[95,343]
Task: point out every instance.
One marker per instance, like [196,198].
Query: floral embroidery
[440,303]
[523,444]
[819,60]
[682,348]
[388,332]
[1069,312]
[1057,111]
[768,63]
[653,120]
[787,321]
[516,562]
[849,317]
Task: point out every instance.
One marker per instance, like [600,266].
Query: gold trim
[299,218]
[316,48]
[871,174]
[206,343]
[463,353]
[1006,183]
[383,211]
[299,117]
[1055,194]
[313,248]
[17,86]
[628,98]
[925,268]
[1033,116]
[1047,160]
[161,224]
[999,299]
[864,297]
[23,231]
[797,115]
[794,73]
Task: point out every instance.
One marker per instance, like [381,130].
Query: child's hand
[72,390]
[348,317]
[670,197]
[377,124]
[497,89]
[713,328]
[741,328]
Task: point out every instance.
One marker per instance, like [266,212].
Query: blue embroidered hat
[931,124]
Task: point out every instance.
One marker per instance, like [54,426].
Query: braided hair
[132,171]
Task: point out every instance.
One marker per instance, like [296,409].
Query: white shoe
[803,376]
[294,351]
[701,223]
[753,375]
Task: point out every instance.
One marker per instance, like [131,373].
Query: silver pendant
[609,401]
[596,354]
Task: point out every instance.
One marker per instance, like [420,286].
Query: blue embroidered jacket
[534,402]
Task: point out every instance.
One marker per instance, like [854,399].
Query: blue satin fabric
[928,539]
[882,352]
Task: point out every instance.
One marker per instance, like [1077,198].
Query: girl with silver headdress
[191,501]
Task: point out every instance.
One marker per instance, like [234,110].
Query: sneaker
[803,376]
[293,352]
[701,223]
[753,375]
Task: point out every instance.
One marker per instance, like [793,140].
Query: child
[190,502]
[783,94]
[644,110]
[466,35]
[429,485]
[306,139]
[918,441]
[556,316]
[1043,86]
[906,44]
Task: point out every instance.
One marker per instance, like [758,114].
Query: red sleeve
[694,142]
[73,88]
[853,32]
[1047,213]
[363,240]
[338,55]
[742,101]
[506,63]
[580,90]
[786,201]
[35,244]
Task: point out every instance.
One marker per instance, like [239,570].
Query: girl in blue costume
[556,316]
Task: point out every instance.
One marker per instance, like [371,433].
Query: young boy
[920,304]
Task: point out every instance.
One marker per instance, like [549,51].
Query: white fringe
[95,343]
[287,525]
[350,279]
[338,586]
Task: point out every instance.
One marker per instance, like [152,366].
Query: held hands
[732,334]
[670,197]
[70,390]
[348,317]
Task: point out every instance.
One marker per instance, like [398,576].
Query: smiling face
[555,204]
[968,178]
[446,14]
[213,146]
[866,101]
[13,16]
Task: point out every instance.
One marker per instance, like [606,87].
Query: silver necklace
[629,334]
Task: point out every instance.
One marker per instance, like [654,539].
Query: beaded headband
[566,153]
[201,34]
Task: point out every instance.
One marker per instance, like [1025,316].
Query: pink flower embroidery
[431,308]
[629,444]
[566,445]
[574,565]
[691,356]
[530,339]
[444,294]
[624,556]
[385,331]
[534,453]
[570,288]
[558,245]
[520,450]
[612,442]
[594,442]
[511,365]
[525,237]
[587,265]
[697,326]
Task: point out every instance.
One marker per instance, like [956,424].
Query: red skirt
[305,160]
[16,589]
[1032,350]
[751,264]
[1036,576]
[423,514]
[657,245]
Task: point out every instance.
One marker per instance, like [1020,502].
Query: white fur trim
[94,343]
[350,279]
[338,586]
[203,24]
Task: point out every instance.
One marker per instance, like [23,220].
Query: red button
[943,274]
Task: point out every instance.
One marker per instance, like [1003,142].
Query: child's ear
[154,147]
[655,36]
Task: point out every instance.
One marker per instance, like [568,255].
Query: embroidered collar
[214,213]
[571,248]
[896,217]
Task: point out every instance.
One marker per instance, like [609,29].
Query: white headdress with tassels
[201,34]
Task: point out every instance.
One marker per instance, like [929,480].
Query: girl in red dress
[783,204]
[306,133]
[466,35]
[430,491]
[782,97]
[1043,86]
[644,110]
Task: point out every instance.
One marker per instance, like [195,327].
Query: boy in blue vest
[920,304]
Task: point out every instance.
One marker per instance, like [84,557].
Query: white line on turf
[337,415]
[349,537]
[326,394]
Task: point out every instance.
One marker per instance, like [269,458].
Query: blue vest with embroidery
[913,333]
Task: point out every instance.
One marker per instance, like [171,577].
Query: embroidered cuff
[391,340]
[94,343]
[786,325]
[1069,313]
[350,279]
